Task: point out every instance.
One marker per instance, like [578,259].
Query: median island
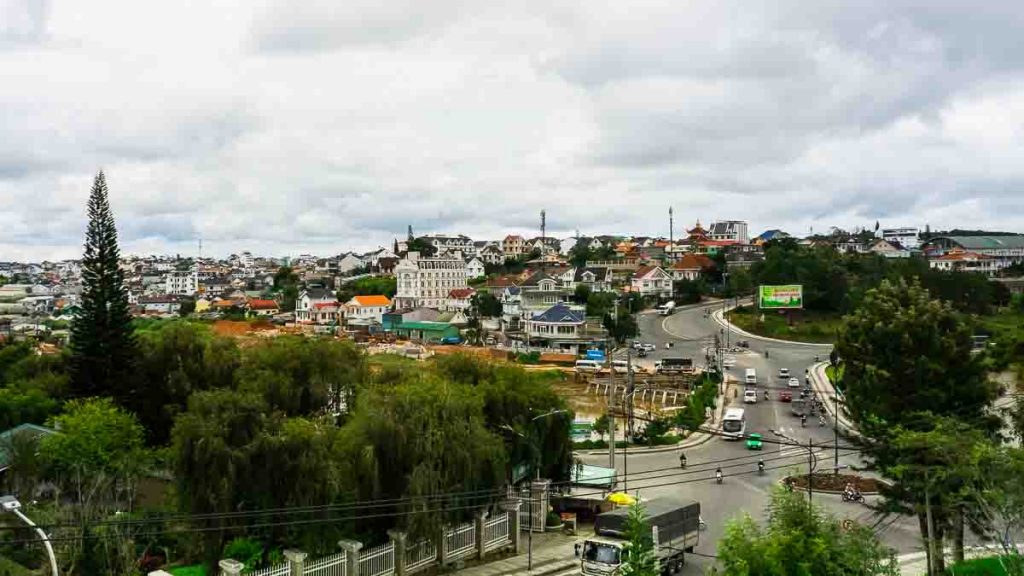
[792,325]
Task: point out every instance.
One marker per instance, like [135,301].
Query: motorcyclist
[682,460]
[760,466]
[766,395]
[821,420]
[803,420]
[765,353]
[718,475]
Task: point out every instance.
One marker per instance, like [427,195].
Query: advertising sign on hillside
[781,297]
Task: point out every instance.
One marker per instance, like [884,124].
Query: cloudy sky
[320,126]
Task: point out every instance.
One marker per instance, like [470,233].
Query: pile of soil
[828,482]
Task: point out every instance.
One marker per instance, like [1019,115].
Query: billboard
[780,297]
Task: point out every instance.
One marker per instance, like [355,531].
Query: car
[743,344]
[648,346]
[785,396]
[794,383]
[783,372]
[750,396]
[754,442]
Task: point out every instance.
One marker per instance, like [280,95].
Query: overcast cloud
[322,126]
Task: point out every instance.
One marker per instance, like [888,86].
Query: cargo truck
[675,529]
[670,365]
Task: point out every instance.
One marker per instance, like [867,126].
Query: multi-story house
[652,281]
[511,314]
[562,327]
[513,246]
[732,230]
[460,300]
[443,243]
[909,238]
[491,254]
[181,282]
[475,268]
[540,292]
[427,281]
[308,300]
[691,267]
[598,279]
[367,308]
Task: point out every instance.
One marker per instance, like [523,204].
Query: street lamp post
[536,466]
[11,504]
[833,359]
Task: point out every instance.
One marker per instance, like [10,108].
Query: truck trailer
[675,529]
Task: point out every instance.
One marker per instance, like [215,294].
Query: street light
[11,504]
[536,451]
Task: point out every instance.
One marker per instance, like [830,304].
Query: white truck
[667,308]
[675,527]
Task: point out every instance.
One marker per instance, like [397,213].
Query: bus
[734,424]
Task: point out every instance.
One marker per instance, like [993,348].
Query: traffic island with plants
[829,482]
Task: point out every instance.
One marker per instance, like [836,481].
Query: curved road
[657,474]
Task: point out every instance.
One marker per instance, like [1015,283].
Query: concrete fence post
[231,567]
[442,552]
[511,507]
[479,520]
[351,548]
[296,562]
[398,538]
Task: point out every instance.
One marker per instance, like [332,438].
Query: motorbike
[682,461]
[718,476]
[803,421]
[821,421]
[765,353]
[760,467]
[766,395]
[853,496]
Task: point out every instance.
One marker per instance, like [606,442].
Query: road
[657,475]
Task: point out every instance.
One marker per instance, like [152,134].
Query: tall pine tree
[102,341]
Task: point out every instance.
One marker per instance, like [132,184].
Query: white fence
[496,533]
[420,555]
[460,542]
[336,565]
[377,561]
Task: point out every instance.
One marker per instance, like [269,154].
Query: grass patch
[990,566]
[389,360]
[800,326]
[194,570]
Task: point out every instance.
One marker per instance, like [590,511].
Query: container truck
[675,529]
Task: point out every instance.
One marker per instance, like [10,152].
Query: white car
[729,361]
[783,372]
[750,396]
[794,382]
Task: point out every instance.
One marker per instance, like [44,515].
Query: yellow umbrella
[621,499]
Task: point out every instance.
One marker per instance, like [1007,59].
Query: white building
[308,300]
[652,281]
[349,262]
[369,307]
[475,269]
[961,261]
[734,230]
[909,238]
[428,281]
[246,260]
[181,282]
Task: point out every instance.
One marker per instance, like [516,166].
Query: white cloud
[319,126]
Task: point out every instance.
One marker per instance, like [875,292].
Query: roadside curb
[718,315]
[823,385]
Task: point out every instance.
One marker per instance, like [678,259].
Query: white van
[621,366]
[588,366]
[751,377]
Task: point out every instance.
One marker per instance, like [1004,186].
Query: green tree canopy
[639,558]
[801,540]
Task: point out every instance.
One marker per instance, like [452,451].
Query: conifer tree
[102,341]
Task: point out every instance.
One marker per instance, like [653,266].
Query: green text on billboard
[778,297]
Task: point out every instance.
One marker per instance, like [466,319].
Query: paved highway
[657,474]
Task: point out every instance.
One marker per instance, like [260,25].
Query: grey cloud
[23,21]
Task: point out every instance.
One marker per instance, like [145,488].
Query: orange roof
[258,304]
[461,293]
[372,300]
[955,255]
[691,261]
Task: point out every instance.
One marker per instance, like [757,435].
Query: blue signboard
[595,355]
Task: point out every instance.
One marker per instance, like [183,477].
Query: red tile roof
[691,261]
[461,293]
[258,304]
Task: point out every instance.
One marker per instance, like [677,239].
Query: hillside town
[436,280]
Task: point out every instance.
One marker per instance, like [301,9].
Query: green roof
[424,325]
[987,242]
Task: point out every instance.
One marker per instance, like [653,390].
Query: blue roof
[772,234]
[560,313]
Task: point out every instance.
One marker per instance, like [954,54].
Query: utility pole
[833,358]
[629,419]
[671,236]
[611,410]
[543,225]
[932,561]
[810,473]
